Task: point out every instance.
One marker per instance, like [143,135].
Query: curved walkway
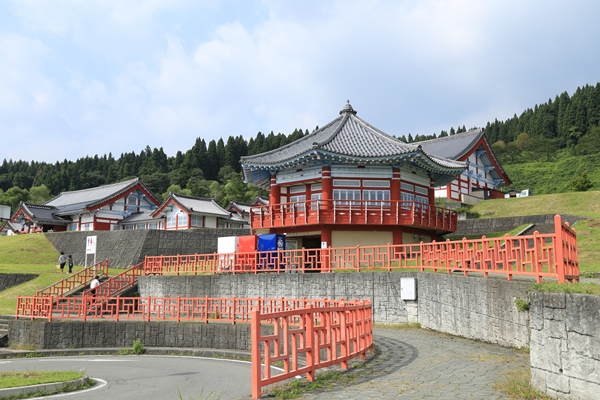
[421,364]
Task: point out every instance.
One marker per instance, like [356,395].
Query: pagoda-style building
[348,184]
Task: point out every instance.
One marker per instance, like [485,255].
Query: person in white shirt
[62,260]
[94,284]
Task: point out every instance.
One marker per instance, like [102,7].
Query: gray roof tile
[452,147]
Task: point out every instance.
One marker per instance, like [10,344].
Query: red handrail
[354,212]
[73,281]
[119,282]
[541,256]
[221,309]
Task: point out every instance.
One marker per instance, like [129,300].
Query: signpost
[90,247]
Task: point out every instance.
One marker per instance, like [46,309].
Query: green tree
[581,183]
[14,196]
[39,194]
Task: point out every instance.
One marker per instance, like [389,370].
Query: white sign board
[4,211]
[90,245]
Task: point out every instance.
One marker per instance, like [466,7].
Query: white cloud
[116,76]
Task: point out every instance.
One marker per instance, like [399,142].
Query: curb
[149,351]
[43,387]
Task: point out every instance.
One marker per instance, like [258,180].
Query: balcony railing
[354,212]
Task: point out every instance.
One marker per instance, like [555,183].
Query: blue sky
[80,78]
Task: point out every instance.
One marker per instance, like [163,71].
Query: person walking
[62,260]
[94,284]
[70,263]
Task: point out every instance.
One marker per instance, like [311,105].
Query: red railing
[304,340]
[76,280]
[551,255]
[118,283]
[354,212]
[216,309]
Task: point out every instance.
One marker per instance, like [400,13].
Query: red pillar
[274,192]
[431,191]
[326,185]
[395,185]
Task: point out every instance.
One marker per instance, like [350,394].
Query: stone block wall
[126,248]
[565,344]
[475,308]
[383,289]
[96,334]
[10,280]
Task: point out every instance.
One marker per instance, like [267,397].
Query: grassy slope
[575,203]
[29,254]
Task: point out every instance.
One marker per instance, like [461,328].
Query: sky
[84,78]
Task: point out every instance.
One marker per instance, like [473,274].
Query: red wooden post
[559,249]
[255,353]
[310,345]
[345,351]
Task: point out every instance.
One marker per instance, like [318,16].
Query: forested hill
[550,133]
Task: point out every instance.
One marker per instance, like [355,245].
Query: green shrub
[138,347]
[522,305]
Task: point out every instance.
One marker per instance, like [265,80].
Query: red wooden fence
[551,255]
[304,340]
[216,309]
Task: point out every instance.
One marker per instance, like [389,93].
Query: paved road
[148,377]
[406,364]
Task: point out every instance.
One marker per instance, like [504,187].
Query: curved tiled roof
[346,138]
[452,147]
[43,214]
[345,135]
[457,146]
[87,198]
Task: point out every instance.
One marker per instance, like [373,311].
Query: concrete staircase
[4,321]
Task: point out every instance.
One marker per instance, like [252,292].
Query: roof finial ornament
[348,108]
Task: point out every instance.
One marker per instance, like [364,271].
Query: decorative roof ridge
[40,206]
[475,131]
[345,117]
[184,196]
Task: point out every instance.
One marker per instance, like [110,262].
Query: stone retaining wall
[472,307]
[96,334]
[126,248]
[10,280]
[565,344]
[475,308]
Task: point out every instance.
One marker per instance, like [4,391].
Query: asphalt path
[148,377]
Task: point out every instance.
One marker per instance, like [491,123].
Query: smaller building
[187,212]
[483,168]
[99,208]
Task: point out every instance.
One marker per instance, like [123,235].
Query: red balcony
[354,212]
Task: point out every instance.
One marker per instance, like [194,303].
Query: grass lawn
[30,254]
[16,379]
